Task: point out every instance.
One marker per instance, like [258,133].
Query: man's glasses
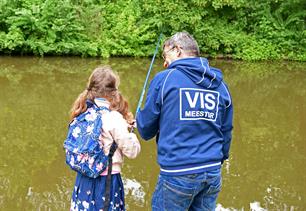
[166,52]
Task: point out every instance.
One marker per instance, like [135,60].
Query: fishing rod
[147,78]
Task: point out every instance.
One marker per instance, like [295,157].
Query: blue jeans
[195,192]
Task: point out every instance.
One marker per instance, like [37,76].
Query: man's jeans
[196,192]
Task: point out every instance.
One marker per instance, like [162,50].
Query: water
[268,154]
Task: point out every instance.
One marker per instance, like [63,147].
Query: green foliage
[249,30]
[47,27]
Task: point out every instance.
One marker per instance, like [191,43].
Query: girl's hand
[132,123]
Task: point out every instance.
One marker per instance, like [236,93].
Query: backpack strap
[112,150]
[109,176]
[93,104]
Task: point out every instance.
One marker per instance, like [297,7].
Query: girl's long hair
[102,83]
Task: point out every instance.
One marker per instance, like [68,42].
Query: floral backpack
[84,152]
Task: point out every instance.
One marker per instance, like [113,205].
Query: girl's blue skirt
[88,193]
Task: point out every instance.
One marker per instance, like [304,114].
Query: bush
[248,30]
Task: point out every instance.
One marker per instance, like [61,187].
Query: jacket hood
[199,71]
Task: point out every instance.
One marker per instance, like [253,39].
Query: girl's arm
[127,142]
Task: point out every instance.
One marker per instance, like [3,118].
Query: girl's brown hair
[102,83]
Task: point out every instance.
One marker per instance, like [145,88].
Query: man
[190,110]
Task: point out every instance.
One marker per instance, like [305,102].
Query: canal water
[266,170]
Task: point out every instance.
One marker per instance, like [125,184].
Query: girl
[102,88]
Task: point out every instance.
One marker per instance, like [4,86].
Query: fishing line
[147,78]
[146,81]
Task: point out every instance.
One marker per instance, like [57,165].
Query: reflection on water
[254,206]
[55,199]
[134,191]
[268,154]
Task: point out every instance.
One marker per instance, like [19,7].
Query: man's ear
[166,64]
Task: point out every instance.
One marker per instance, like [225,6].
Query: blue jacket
[189,108]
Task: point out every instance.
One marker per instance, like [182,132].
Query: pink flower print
[71,161]
[91,116]
[90,128]
[80,157]
[84,158]
[75,132]
[85,204]
[99,166]
[91,160]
